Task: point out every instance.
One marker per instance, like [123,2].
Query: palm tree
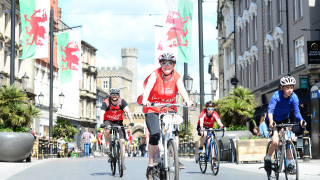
[236,108]
[15,111]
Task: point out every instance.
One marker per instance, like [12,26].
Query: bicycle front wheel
[276,164]
[120,158]
[113,150]
[202,162]
[215,158]
[173,161]
[291,168]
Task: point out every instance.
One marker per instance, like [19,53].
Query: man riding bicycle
[161,87]
[206,120]
[281,103]
[112,114]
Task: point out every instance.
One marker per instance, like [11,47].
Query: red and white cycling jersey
[208,121]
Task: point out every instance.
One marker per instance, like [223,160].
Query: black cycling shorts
[116,123]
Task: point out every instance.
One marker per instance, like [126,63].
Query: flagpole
[12,47]
[200,24]
[51,79]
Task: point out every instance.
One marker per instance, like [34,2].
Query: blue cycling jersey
[280,107]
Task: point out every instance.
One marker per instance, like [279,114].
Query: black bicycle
[116,149]
[285,151]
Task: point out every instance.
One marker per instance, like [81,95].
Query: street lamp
[40,98]
[188,83]
[61,99]
[214,85]
[24,80]
[1,80]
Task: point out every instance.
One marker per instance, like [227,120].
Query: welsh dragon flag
[35,28]
[69,56]
[177,30]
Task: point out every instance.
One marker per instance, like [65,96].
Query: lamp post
[24,80]
[214,85]
[188,81]
[12,45]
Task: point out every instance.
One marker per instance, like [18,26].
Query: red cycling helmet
[210,104]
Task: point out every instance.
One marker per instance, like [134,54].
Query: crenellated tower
[129,61]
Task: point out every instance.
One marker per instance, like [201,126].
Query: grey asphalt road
[98,168]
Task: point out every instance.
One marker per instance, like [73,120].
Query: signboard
[314,94]
[304,81]
[313,52]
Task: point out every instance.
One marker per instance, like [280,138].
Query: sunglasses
[115,94]
[210,109]
[167,63]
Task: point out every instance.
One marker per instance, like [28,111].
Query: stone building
[125,78]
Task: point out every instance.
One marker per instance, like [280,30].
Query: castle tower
[129,61]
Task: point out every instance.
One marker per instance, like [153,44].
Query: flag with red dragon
[177,30]
[69,56]
[35,28]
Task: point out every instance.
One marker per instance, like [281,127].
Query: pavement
[21,170]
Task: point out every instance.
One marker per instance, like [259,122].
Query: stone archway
[137,131]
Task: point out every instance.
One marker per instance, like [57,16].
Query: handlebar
[168,105]
[212,129]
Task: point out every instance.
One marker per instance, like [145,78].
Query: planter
[15,146]
[226,154]
[251,150]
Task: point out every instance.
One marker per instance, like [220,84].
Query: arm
[183,92]
[296,111]
[218,119]
[201,122]
[126,109]
[271,108]
[151,81]
[102,116]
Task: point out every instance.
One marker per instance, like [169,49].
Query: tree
[63,128]
[236,108]
[16,113]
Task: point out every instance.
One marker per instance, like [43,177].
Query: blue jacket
[281,107]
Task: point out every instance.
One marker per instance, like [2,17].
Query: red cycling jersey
[162,91]
[208,121]
[114,113]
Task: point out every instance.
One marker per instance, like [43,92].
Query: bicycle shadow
[101,174]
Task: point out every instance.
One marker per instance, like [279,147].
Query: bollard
[50,147]
[40,149]
[306,150]
[186,144]
[46,149]
[55,148]
[191,149]
[182,147]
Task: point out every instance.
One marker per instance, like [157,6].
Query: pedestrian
[86,140]
[263,128]
[99,136]
[255,131]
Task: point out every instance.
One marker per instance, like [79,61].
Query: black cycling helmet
[168,57]
[114,91]
[210,104]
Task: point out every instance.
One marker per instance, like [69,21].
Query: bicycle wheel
[292,169]
[113,150]
[120,158]
[173,161]
[215,158]
[275,164]
[202,162]
[156,173]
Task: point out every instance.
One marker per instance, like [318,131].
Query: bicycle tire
[216,158]
[277,160]
[173,168]
[113,161]
[120,158]
[202,162]
[294,161]
[156,173]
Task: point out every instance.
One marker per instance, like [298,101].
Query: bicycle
[213,158]
[280,155]
[168,166]
[116,149]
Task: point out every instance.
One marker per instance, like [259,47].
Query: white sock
[150,165]
[268,157]
[289,161]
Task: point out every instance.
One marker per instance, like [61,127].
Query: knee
[275,143]
[154,139]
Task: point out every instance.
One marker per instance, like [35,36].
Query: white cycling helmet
[287,80]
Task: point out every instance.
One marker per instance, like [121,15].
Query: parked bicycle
[170,121]
[285,151]
[116,150]
[209,155]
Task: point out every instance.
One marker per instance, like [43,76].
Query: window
[256,71]
[249,76]
[242,77]
[271,63]
[248,34]
[269,12]
[247,4]
[240,40]
[281,70]
[82,108]
[255,33]
[90,110]
[231,54]
[299,54]
[240,7]
[279,13]
[90,83]
[105,84]
[82,81]
[298,13]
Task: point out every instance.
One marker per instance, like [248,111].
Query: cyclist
[112,114]
[281,103]
[206,120]
[161,86]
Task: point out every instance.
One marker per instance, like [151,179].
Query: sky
[110,25]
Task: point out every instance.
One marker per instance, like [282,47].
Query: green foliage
[63,128]
[181,133]
[16,113]
[250,137]
[236,108]
[236,128]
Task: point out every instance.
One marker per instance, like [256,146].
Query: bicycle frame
[208,146]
